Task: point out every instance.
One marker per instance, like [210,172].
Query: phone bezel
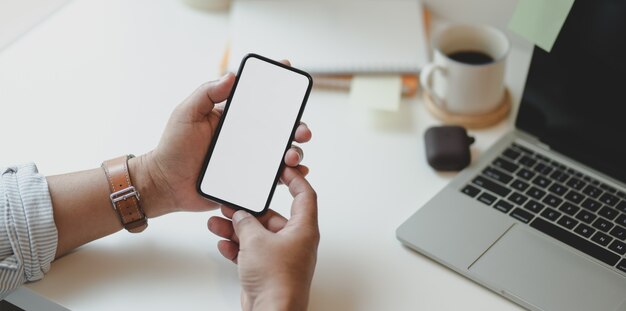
[207,158]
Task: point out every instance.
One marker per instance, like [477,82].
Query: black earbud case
[448,148]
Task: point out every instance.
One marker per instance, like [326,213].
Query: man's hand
[276,256]
[167,176]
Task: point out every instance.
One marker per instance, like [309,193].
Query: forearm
[82,208]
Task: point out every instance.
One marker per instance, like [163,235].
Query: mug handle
[426,80]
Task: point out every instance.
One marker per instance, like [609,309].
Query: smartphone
[259,122]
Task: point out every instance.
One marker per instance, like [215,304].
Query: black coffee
[471,57]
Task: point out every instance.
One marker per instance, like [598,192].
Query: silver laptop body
[546,248]
[507,256]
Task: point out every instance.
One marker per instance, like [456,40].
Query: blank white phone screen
[255,132]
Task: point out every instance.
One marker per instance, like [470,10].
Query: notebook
[325,37]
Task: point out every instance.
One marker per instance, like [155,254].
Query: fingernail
[239,215]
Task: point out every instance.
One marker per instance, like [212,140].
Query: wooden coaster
[471,121]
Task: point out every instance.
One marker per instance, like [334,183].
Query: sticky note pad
[380,92]
[540,21]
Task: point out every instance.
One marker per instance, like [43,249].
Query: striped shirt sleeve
[28,235]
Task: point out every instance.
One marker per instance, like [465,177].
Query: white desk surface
[95,64]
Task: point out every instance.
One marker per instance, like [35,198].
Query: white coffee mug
[464,85]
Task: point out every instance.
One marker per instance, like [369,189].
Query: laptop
[540,218]
[24,299]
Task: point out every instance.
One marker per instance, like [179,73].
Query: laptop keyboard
[557,200]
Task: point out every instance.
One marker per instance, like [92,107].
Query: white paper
[380,92]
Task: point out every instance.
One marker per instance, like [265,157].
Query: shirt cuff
[27,223]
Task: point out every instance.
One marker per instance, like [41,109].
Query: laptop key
[621,194]
[608,188]
[542,157]
[511,154]
[602,238]
[592,191]
[527,161]
[505,165]
[591,205]
[503,206]
[621,206]
[559,176]
[608,213]
[497,175]
[622,265]
[525,174]
[534,206]
[519,185]
[618,247]
[522,148]
[557,189]
[491,186]
[603,224]
[542,168]
[609,199]
[619,233]
[621,220]
[521,215]
[487,198]
[567,222]
[577,242]
[551,214]
[541,181]
[569,208]
[574,196]
[584,230]
[518,198]
[576,183]
[552,200]
[470,190]
[586,216]
[536,193]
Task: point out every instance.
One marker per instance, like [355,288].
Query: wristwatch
[124,197]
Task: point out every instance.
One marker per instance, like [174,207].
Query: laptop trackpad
[544,274]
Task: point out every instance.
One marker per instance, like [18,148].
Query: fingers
[246,226]
[303,133]
[304,207]
[229,250]
[203,99]
[303,169]
[271,220]
[294,156]
[286,62]
[222,228]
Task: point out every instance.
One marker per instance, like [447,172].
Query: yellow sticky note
[381,92]
[540,21]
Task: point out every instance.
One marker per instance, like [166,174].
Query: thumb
[246,225]
[204,98]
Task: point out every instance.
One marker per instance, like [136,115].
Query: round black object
[447,148]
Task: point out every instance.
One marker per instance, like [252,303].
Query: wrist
[154,201]
[288,298]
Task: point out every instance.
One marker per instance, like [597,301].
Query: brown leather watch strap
[124,197]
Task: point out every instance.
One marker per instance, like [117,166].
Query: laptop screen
[575,96]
